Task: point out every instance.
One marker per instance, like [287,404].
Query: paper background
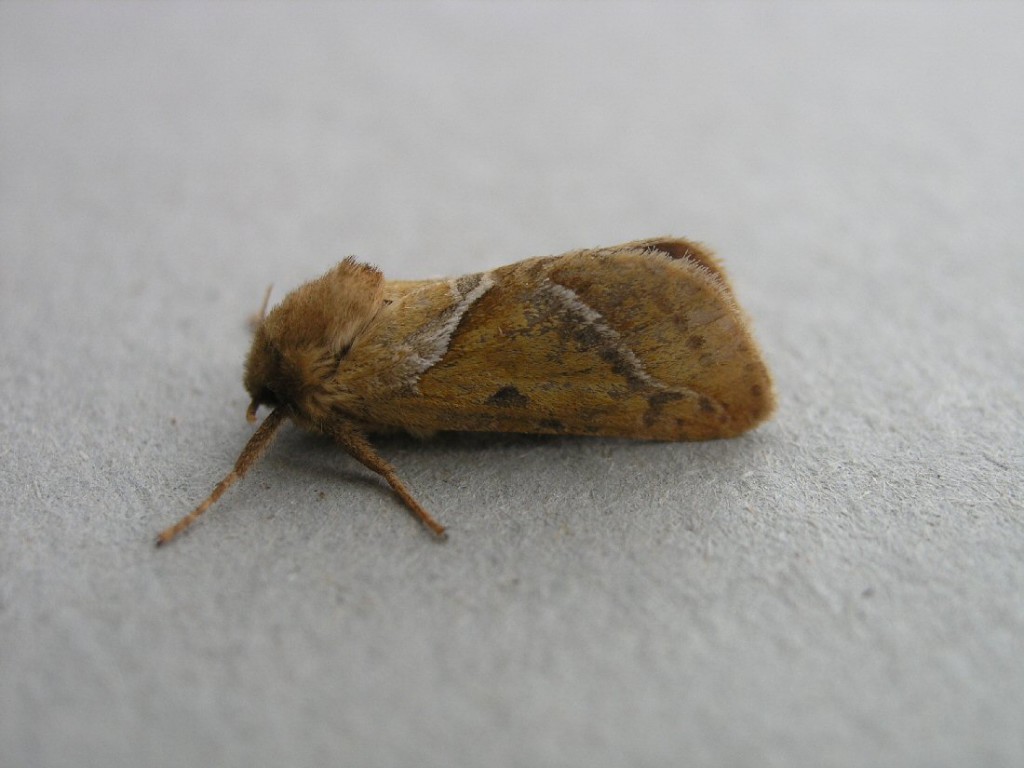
[842,587]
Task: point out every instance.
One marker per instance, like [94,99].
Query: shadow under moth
[642,340]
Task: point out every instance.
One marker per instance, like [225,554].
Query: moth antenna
[361,450]
[257,319]
[253,452]
[266,300]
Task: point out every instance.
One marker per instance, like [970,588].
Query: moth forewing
[629,342]
[644,340]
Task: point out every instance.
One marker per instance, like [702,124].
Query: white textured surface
[843,587]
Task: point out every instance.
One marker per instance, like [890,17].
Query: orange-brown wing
[642,340]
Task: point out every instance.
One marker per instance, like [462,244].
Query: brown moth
[643,340]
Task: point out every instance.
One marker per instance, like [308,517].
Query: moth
[643,340]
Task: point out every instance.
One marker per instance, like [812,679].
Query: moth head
[303,341]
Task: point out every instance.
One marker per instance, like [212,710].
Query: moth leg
[253,451]
[360,449]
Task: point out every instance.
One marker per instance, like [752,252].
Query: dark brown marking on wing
[508,397]
[656,403]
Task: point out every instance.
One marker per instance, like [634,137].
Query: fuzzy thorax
[303,340]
